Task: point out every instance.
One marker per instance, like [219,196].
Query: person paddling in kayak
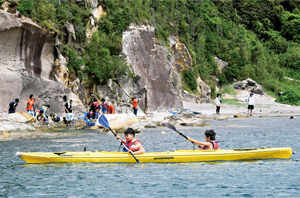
[210,138]
[133,144]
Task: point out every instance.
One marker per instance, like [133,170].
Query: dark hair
[17,100]
[218,95]
[129,131]
[41,111]
[51,114]
[102,99]
[210,133]
[30,96]
[48,106]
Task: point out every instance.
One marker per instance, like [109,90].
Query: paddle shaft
[186,138]
[124,145]
[182,135]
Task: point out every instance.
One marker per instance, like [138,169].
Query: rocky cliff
[26,64]
[151,66]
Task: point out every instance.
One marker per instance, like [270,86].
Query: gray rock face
[151,66]
[26,64]
[221,64]
[176,81]
[203,91]
[182,56]
[249,85]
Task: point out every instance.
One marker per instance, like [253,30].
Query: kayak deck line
[157,157]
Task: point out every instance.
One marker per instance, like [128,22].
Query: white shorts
[69,117]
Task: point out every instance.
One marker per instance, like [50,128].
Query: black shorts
[250,106]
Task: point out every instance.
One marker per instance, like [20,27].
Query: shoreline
[263,108]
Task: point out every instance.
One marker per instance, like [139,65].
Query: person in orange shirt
[110,108]
[30,105]
[135,102]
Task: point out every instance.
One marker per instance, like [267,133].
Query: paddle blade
[170,126]
[103,121]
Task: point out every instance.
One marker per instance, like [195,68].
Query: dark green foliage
[101,62]
[289,97]
[222,79]
[74,62]
[25,7]
[189,77]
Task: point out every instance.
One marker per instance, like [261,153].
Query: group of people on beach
[40,115]
[250,102]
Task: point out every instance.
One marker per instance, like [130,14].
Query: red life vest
[215,145]
[130,144]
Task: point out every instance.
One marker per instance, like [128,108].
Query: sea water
[257,178]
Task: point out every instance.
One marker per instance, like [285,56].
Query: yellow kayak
[157,157]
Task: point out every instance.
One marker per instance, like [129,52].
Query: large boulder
[15,117]
[186,119]
[249,85]
[29,117]
[120,122]
[152,82]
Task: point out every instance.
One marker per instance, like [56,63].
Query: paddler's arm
[208,144]
[118,137]
[6,108]
[140,150]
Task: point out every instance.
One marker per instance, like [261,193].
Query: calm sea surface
[261,178]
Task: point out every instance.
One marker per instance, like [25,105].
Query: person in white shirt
[250,102]
[218,104]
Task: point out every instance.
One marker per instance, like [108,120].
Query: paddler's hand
[118,137]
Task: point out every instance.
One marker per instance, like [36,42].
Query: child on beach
[210,138]
[218,102]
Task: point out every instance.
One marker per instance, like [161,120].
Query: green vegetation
[289,97]
[227,89]
[260,39]
[234,102]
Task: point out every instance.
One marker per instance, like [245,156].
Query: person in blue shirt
[12,106]
[55,117]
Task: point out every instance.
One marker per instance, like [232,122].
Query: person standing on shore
[218,102]
[69,111]
[30,108]
[250,102]
[12,106]
[135,102]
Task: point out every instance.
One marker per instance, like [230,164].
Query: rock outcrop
[120,122]
[28,66]
[151,66]
[181,53]
[221,64]
[249,85]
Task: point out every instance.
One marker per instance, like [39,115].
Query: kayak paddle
[104,122]
[171,126]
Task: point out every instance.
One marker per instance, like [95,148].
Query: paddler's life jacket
[215,145]
[130,144]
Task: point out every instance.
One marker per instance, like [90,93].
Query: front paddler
[133,144]
[210,138]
